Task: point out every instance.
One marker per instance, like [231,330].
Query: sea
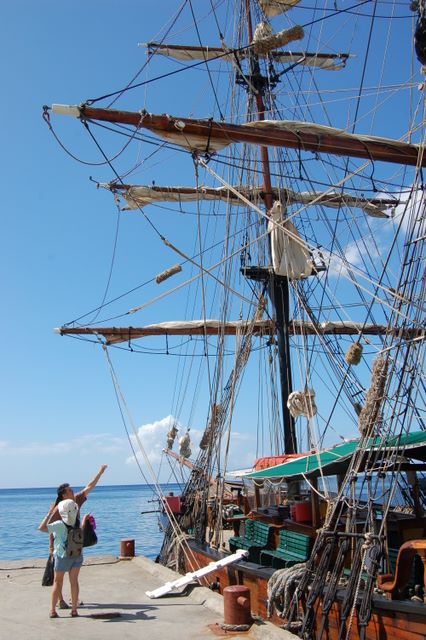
[121,512]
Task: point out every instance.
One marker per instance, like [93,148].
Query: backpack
[74,542]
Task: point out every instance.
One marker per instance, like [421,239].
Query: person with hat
[68,513]
[65,492]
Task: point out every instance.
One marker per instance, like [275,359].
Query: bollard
[237,610]
[127,549]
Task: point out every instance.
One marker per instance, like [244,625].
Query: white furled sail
[290,257]
[171,435]
[208,136]
[273,8]
[298,127]
[185,445]
[302,403]
[327,62]
[375,208]
[115,335]
[332,62]
[137,197]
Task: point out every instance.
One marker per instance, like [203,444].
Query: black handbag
[89,535]
[49,572]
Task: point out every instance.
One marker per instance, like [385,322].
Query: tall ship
[272,152]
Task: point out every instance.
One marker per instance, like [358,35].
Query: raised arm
[91,485]
[43,524]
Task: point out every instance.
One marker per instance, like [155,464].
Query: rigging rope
[180,539]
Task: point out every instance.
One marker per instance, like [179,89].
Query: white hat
[68,510]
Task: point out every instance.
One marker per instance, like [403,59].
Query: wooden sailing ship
[322,263]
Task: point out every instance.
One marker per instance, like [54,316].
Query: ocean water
[116,509]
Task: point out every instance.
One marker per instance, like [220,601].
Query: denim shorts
[65,564]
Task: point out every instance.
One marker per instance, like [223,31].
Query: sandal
[74,613]
[53,614]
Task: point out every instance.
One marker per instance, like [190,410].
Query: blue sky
[59,418]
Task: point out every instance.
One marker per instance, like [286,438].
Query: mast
[278,289]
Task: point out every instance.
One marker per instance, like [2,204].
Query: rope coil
[354,354]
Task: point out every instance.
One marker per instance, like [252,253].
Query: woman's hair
[60,492]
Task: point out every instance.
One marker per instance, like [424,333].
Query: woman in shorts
[68,511]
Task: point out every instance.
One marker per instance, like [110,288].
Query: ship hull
[390,620]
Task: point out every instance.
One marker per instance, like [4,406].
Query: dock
[115,605]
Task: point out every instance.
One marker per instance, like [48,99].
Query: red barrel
[127,549]
[302,512]
[173,503]
[236,602]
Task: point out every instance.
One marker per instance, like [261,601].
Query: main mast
[278,288]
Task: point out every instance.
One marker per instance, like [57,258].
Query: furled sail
[290,256]
[208,136]
[185,445]
[115,335]
[139,196]
[375,207]
[302,403]
[273,8]
[171,435]
[324,61]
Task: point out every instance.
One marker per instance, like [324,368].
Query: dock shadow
[123,612]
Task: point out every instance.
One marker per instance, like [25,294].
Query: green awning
[336,460]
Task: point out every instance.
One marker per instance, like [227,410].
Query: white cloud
[405,212]
[153,439]
[83,445]
[355,254]
[77,460]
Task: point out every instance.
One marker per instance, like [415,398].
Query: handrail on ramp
[194,575]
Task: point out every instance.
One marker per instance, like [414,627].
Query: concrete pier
[115,605]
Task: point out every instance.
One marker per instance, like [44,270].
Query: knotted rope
[281,587]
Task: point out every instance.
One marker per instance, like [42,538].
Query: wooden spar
[115,335]
[189,465]
[183,461]
[286,195]
[307,138]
